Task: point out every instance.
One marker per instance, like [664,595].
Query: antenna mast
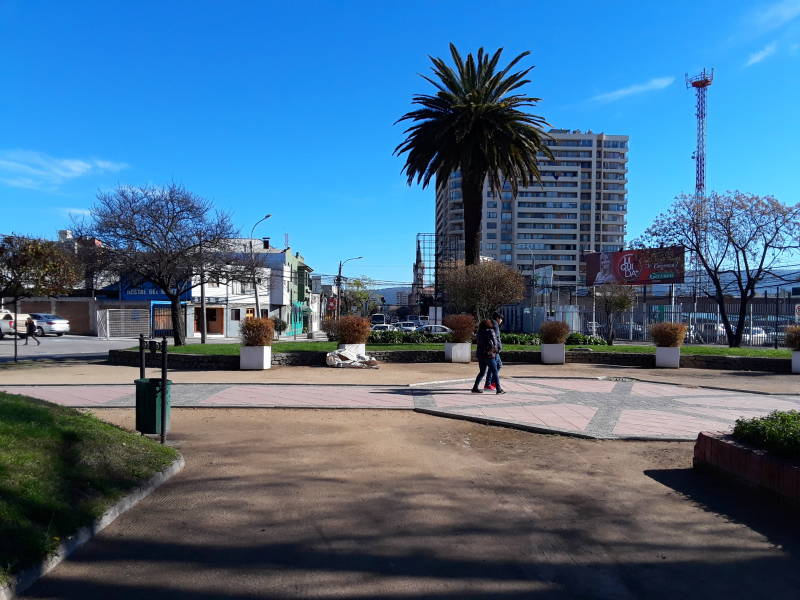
[700,83]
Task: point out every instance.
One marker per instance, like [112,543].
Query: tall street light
[253,263]
[339,285]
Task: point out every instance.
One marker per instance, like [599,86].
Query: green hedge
[404,337]
[576,339]
[778,433]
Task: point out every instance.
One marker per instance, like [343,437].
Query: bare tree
[162,235]
[737,239]
[32,267]
[613,300]
[481,288]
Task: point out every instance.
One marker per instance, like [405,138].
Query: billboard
[636,267]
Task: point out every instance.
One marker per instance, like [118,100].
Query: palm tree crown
[474,124]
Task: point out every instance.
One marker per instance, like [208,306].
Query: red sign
[636,267]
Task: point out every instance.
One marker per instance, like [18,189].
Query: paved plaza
[595,408]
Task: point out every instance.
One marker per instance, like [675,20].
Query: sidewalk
[537,398]
[404,374]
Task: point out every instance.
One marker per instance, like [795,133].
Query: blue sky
[288,108]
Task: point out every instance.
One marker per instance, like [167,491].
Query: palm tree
[474,125]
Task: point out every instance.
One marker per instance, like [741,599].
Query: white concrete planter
[668,358]
[357,348]
[553,354]
[457,352]
[795,361]
[255,358]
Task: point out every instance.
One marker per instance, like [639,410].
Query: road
[53,347]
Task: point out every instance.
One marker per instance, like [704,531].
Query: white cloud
[757,57]
[36,170]
[775,15]
[657,83]
[81,212]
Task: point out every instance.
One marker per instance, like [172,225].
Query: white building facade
[579,207]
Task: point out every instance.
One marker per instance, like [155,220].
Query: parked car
[47,323]
[434,329]
[406,326]
[754,336]
[382,327]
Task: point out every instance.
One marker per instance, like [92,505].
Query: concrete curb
[28,577]
[545,430]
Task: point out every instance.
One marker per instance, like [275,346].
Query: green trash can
[148,405]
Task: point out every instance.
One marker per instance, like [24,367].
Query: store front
[215,320]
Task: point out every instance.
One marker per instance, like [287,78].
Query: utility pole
[339,286]
[253,264]
[202,320]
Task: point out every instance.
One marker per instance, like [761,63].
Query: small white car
[6,323]
[406,326]
[383,327]
[47,323]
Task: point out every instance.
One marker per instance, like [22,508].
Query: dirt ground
[383,504]
[399,374]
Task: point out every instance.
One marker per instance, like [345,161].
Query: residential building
[291,297]
[579,207]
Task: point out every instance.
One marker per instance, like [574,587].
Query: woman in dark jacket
[488,345]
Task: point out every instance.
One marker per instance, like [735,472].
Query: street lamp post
[253,263]
[339,286]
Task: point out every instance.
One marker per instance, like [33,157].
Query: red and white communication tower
[700,83]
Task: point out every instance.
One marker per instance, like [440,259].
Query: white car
[434,329]
[383,327]
[47,323]
[6,323]
[406,326]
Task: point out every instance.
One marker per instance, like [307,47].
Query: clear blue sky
[288,108]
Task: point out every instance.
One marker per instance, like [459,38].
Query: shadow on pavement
[757,509]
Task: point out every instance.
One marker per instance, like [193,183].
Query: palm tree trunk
[472,194]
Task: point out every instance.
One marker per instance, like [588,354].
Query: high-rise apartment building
[579,207]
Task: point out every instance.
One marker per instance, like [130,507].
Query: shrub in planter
[778,433]
[458,348]
[257,332]
[256,351]
[554,332]
[280,325]
[668,338]
[353,331]
[793,342]
[793,337]
[668,335]
[463,327]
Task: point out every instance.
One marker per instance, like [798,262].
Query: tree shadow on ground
[759,510]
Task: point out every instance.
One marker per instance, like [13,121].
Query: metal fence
[130,322]
[765,322]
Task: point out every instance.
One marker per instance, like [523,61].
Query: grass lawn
[233,349]
[59,470]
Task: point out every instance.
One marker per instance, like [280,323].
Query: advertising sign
[636,267]
[148,292]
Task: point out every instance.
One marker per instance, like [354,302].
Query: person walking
[497,321]
[30,331]
[487,353]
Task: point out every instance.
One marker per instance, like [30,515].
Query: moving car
[6,323]
[382,327]
[406,326]
[47,323]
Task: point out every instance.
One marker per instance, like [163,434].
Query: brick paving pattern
[588,407]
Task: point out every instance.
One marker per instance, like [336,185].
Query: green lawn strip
[233,349]
[59,470]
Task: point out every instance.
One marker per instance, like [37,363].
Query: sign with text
[636,267]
